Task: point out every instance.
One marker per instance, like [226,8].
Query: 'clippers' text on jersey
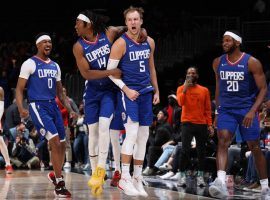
[237,87]
[135,64]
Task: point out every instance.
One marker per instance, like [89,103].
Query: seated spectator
[160,133]
[19,129]
[24,153]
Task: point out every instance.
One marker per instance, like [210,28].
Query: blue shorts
[117,122]
[47,117]
[139,110]
[99,104]
[230,119]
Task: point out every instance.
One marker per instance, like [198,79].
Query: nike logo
[102,39]
[131,45]
[86,47]
[223,64]
[39,63]
[241,66]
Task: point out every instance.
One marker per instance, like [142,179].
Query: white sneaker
[175,177]
[168,175]
[182,181]
[127,187]
[200,181]
[165,167]
[265,194]
[67,165]
[218,189]
[138,184]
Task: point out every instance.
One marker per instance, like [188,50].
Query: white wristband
[216,112]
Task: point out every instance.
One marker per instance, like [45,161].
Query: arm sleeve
[28,68]
[112,64]
[180,96]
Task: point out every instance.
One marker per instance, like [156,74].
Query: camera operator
[24,152]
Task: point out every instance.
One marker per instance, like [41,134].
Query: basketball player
[240,90]
[138,70]
[91,52]
[43,79]
[3,147]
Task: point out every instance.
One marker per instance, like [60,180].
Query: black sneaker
[61,191]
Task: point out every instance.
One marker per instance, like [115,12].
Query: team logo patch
[124,116]
[42,131]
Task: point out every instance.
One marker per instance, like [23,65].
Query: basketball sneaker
[127,187]
[96,181]
[51,177]
[115,179]
[138,184]
[9,169]
[218,189]
[61,191]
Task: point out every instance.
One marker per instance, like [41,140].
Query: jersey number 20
[232,86]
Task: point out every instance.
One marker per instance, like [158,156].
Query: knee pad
[140,146]
[131,137]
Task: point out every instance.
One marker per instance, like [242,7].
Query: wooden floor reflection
[24,184]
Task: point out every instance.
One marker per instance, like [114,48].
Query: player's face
[80,27]
[228,44]
[133,22]
[45,46]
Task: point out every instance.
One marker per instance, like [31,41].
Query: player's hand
[247,121]
[142,36]
[131,94]
[116,73]
[24,113]
[156,99]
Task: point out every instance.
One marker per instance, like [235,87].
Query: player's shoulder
[120,42]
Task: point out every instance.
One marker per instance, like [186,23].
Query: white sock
[221,176]
[116,148]
[137,171]
[4,151]
[125,171]
[58,180]
[264,183]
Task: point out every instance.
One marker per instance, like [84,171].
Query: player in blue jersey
[240,90]
[136,61]
[91,52]
[42,77]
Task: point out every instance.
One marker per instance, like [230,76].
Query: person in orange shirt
[196,122]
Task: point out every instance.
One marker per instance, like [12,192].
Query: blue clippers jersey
[135,64]
[97,54]
[41,85]
[237,87]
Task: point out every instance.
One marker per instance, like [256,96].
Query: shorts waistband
[45,100]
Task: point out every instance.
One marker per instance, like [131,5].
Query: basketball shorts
[47,119]
[230,119]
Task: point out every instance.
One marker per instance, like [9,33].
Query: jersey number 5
[142,66]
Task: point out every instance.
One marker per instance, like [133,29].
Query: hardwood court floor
[33,184]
